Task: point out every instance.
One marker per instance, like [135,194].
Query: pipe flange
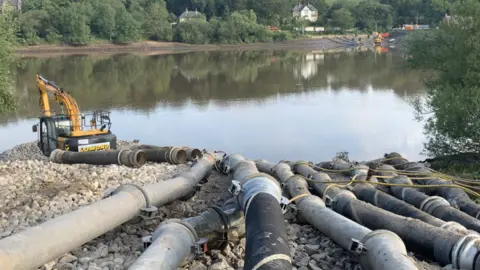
[225,220]
[260,183]
[119,159]
[465,252]
[454,227]
[399,179]
[177,221]
[335,201]
[431,203]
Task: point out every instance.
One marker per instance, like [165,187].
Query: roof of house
[299,7]
[190,14]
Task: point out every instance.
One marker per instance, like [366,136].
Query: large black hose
[370,194]
[130,158]
[340,229]
[434,205]
[455,196]
[267,244]
[172,155]
[424,238]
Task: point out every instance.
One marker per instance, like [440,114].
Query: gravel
[35,190]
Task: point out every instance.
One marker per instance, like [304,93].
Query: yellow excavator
[70,130]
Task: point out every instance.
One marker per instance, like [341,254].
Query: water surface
[262,104]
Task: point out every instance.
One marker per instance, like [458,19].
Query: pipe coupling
[260,183]
[360,170]
[176,155]
[465,253]
[431,203]
[339,200]
[132,158]
[454,227]
[56,156]
[230,162]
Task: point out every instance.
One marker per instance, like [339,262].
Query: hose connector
[431,203]
[56,156]
[384,249]
[454,227]
[465,253]
[260,183]
[132,158]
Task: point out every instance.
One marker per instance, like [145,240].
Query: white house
[307,12]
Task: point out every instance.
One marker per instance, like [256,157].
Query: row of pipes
[375,210]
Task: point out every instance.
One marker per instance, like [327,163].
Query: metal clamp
[235,188]
[357,247]
[147,212]
[284,204]
[147,241]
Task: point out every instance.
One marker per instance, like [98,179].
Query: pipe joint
[132,158]
[339,200]
[260,183]
[465,253]
[431,203]
[160,227]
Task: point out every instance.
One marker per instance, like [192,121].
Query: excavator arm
[63,98]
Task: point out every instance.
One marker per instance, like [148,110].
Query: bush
[282,36]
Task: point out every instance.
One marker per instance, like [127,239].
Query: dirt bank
[152,48]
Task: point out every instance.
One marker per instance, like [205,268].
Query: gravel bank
[34,190]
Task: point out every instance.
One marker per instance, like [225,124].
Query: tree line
[222,21]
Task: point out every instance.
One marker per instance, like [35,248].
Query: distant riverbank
[152,47]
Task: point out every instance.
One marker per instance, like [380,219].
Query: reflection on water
[275,105]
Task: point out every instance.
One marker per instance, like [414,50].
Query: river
[262,104]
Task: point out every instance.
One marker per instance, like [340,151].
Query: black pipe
[455,196]
[172,155]
[192,153]
[422,237]
[130,158]
[267,244]
[434,205]
[368,193]
[340,229]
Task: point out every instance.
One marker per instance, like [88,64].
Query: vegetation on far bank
[7,39]
[217,21]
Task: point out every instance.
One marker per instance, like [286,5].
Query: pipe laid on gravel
[260,196]
[40,244]
[455,196]
[349,235]
[458,249]
[433,205]
[172,155]
[174,241]
[130,158]
[370,194]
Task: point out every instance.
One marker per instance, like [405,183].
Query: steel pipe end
[177,155]
[385,249]
[193,153]
[135,158]
[465,253]
[431,203]
[56,155]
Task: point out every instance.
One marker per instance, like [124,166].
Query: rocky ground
[33,190]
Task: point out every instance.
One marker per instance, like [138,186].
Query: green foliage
[127,28]
[7,38]
[156,24]
[451,56]
[342,18]
[192,31]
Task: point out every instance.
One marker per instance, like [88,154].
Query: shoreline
[159,48]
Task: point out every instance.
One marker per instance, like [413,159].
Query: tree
[127,29]
[373,16]
[103,21]
[73,24]
[7,39]
[192,31]
[451,57]
[343,18]
[156,25]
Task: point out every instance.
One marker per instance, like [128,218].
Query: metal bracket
[226,169]
[357,247]
[328,200]
[285,205]
[198,249]
[235,188]
[148,212]
[147,241]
